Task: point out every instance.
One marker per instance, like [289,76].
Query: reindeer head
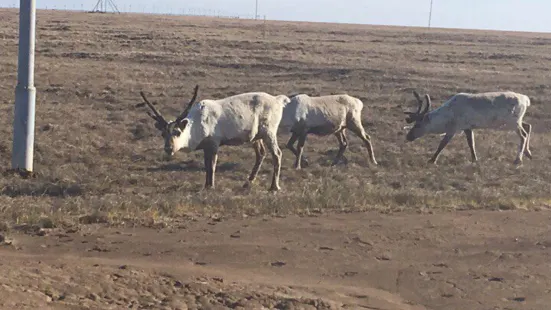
[171,130]
[420,118]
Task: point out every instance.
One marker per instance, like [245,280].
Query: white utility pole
[430,13]
[25,93]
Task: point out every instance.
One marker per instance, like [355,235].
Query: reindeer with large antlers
[236,120]
[465,112]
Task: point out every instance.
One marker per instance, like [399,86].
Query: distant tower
[101,6]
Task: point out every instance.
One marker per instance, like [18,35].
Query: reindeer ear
[182,124]
[411,117]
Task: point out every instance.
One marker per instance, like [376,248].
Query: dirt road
[463,260]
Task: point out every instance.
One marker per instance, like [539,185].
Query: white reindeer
[467,111]
[236,120]
[323,116]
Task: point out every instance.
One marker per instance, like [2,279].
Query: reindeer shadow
[193,166]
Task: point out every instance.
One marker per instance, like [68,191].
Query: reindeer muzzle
[168,152]
[410,137]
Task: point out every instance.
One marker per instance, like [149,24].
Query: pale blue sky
[522,15]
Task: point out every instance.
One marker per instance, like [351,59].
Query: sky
[518,15]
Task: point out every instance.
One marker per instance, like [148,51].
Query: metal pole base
[23,128]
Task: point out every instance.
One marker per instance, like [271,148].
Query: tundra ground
[107,222]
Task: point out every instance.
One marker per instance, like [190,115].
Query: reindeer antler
[417,114]
[157,116]
[419,100]
[427,108]
[188,107]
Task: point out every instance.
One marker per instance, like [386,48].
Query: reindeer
[246,118]
[467,111]
[323,116]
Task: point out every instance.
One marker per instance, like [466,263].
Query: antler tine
[158,115]
[419,100]
[416,94]
[188,107]
[427,108]
[195,92]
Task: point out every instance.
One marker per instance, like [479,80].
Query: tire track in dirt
[40,278]
[462,260]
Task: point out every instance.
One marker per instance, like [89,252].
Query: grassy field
[98,157]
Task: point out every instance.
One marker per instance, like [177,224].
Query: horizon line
[251,18]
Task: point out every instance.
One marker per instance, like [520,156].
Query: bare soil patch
[447,260]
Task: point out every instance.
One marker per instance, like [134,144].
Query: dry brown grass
[98,154]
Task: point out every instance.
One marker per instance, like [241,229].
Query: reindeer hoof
[342,160]
[247,185]
[274,188]
[528,154]
[518,162]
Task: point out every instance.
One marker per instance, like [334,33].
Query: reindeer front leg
[291,142]
[291,147]
[343,144]
[470,141]
[447,138]
[300,148]
[210,156]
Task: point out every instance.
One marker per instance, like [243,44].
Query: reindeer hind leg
[522,145]
[357,128]
[260,152]
[271,145]
[528,128]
